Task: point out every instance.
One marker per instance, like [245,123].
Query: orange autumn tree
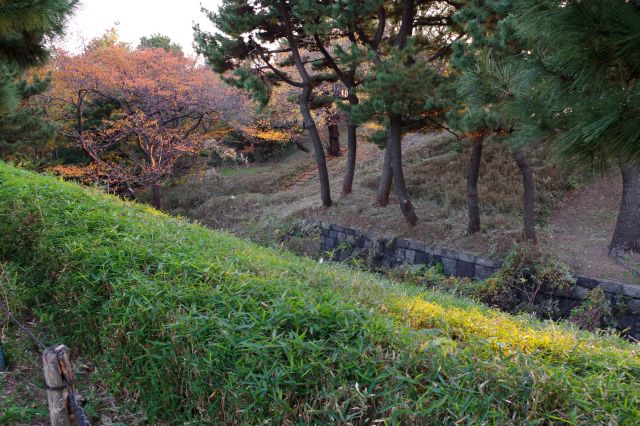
[138,114]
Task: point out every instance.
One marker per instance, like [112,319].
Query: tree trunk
[155,192]
[350,167]
[318,150]
[333,149]
[529,196]
[386,178]
[305,109]
[392,169]
[395,147]
[472,186]
[626,236]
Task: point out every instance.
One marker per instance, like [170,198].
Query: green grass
[197,325]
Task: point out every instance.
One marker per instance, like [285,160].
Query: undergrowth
[520,280]
[198,326]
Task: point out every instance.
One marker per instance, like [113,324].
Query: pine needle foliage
[588,58]
[25,27]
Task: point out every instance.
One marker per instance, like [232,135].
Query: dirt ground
[581,226]
[575,214]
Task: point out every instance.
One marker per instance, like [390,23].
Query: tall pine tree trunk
[473,173]
[350,167]
[528,185]
[333,149]
[395,147]
[394,144]
[386,178]
[305,108]
[318,150]
[626,236]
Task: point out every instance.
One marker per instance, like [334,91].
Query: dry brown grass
[261,200]
[435,167]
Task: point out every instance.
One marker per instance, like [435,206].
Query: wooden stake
[56,391]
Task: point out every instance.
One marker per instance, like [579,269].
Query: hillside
[575,210]
[196,325]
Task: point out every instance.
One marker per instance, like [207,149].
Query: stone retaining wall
[345,243]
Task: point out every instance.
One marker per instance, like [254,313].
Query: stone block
[435,259]
[610,287]
[410,256]
[450,266]
[330,243]
[465,269]
[631,290]
[489,263]
[634,306]
[466,257]
[333,233]
[400,254]
[625,321]
[436,251]
[451,254]
[402,243]
[416,245]
[586,282]
[483,272]
[422,258]
[578,292]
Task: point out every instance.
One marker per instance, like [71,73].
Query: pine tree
[586,61]
[26,127]
[335,27]
[401,88]
[25,28]
[490,99]
[258,41]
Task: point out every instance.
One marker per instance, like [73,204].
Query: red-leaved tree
[138,113]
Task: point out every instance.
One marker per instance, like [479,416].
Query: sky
[137,18]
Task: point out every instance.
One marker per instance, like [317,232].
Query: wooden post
[54,376]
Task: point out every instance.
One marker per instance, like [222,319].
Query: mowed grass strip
[197,325]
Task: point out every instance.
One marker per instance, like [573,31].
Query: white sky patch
[137,18]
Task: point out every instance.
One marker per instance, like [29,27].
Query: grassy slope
[197,324]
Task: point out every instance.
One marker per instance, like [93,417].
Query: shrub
[195,325]
[524,274]
[593,312]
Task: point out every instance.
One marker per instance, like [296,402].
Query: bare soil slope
[575,214]
[580,229]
